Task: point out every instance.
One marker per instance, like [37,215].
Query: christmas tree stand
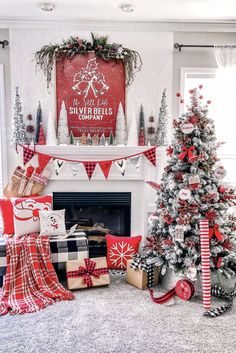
[170,278]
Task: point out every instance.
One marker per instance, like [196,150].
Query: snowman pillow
[52,223]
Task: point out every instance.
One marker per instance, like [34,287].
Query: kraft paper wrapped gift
[140,278]
[87,273]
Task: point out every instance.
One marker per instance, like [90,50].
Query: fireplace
[113,209]
[92,210]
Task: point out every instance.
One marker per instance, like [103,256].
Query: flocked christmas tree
[191,190]
[18,134]
[62,128]
[51,138]
[161,138]
[121,127]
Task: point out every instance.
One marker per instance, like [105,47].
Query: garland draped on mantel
[51,53]
[105,165]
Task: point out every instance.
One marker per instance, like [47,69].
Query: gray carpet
[118,319]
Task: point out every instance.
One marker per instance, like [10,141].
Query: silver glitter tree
[18,133]
[161,138]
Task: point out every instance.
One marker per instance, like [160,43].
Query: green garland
[49,54]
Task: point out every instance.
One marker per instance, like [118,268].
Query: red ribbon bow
[88,272]
[215,231]
[187,152]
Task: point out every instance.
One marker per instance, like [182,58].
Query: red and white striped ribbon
[205,259]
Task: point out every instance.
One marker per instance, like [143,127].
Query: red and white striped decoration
[205,257]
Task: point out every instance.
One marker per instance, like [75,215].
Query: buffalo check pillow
[26,213]
[120,250]
[52,223]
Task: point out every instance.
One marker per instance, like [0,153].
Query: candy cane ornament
[205,260]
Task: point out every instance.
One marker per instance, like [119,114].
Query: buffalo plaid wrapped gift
[142,272]
[87,273]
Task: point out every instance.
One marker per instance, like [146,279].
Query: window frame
[184,71]
[3,132]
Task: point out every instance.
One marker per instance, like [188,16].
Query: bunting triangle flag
[136,162]
[89,167]
[121,165]
[58,165]
[74,167]
[105,167]
[43,160]
[151,155]
[27,154]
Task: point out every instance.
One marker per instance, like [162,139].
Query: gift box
[87,273]
[141,276]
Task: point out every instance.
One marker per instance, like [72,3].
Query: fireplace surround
[113,209]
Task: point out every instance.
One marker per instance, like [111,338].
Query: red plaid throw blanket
[31,282]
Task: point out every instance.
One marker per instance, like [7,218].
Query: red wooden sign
[92,90]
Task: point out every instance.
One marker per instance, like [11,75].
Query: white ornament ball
[184,194]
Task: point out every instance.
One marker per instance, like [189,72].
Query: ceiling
[109,10]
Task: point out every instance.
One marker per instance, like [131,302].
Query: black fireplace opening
[110,209]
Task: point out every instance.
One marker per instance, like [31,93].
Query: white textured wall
[155,48]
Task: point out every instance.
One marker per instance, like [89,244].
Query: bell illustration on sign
[92,90]
[90,78]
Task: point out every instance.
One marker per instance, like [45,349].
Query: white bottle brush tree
[121,127]
[18,133]
[191,190]
[51,138]
[62,128]
[133,132]
[161,138]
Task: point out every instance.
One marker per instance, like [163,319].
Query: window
[222,110]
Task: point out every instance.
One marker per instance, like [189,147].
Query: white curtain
[224,106]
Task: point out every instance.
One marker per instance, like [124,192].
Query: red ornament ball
[221,189]
[190,91]
[200,86]
[209,102]
[201,97]
[178,94]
